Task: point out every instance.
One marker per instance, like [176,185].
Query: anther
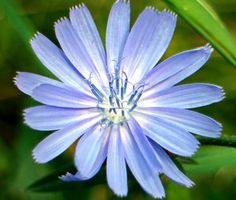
[135,93]
[132,96]
[100,99]
[111,100]
[133,107]
[123,112]
[94,89]
[139,94]
[114,110]
[138,97]
[105,122]
[122,93]
[117,85]
[110,88]
[96,92]
[117,79]
[117,101]
[126,82]
[112,104]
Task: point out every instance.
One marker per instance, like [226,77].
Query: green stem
[224,140]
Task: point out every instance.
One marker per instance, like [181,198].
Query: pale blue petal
[56,62]
[62,97]
[117,32]
[75,50]
[91,151]
[144,145]
[59,141]
[169,136]
[68,177]
[27,82]
[144,174]
[169,168]
[147,42]
[189,120]
[116,168]
[86,29]
[176,69]
[45,118]
[185,96]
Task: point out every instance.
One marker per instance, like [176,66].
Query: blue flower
[124,107]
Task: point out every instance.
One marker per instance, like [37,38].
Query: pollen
[115,115]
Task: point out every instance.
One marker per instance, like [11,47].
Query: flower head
[124,107]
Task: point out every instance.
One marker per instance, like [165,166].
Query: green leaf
[51,182]
[45,183]
[203,19]
[224,140]
[22,26]
[27,170]
[209,159]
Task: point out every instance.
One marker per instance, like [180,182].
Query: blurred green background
[213,169]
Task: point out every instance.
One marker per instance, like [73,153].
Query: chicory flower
[124,107]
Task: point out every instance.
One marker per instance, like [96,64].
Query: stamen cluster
[118,103]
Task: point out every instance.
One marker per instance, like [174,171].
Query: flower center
[118,103]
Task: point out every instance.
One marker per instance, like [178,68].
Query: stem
[224,140]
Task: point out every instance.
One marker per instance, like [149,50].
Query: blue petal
[117,33]
[45,118]
[169,168]
[189,120]
[91,151]
[68,177]
[144,145]
[55,60]
[85,27]
[59,141]
[185,96]
[147,42]
[176,68]
[75,50]
[27,82]
[147,178]
[116,168]
[169,136]
[62,97]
